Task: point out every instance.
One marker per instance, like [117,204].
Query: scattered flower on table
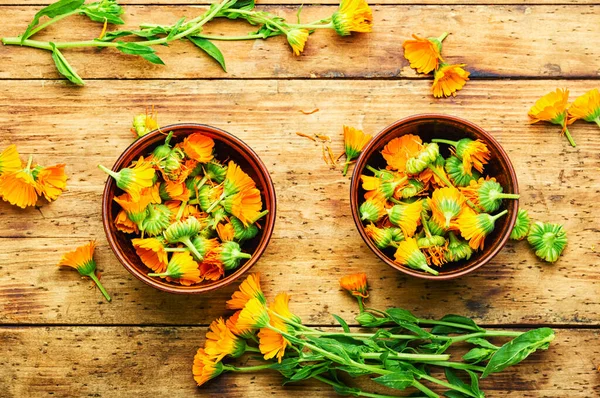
[548,240]
[553,108]
[82,259]
[354,142]
[522,224]
[586,107]
[352,16]
[145,123]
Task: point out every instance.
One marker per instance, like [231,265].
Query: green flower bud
[456,171]
[242,233]
[158,218]
[521,227]
[424,158]
[232,254]
[548,240]
[458,249]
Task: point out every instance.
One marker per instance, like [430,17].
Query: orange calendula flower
[82,259]
[424,54]
[249,289]
[136,210]
[406,216]
[354,142]
[352,16]
[232,325]
[297,39]
[448,79]
[475,227]
[9,160]
[254,315]
[271,343]
[446,204]
[205,368]
[52,181]
[245,205]
[473,153]
[373,209]
[370,183]
[181,268]
[133,180]
[212,267]
[199,147]
[170,190]
[144,123]
[220,341]
[356,284]
[399,150]
[226,232]
[236,180]
[552,108]
[152,253]
[409,254]
[586,107]
[19,188]
[124,223]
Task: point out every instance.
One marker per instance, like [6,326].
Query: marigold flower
[188,211]
[373,209]
[232,325]
[243,232]
[182,232]
[136,210]
[548,240]
[124,223]
[370,183]
[420,161]
[271,343]
[412,189]
[220,341]
[354,142]
[406,216]
[399,150]
[586,107]
[152,253]
[236,180]
[82,259]
[382,237]
[254,315]
[457,172]
[473,153]
[226,232]
[158,218]
[434,247]
[230,254]
[446,204]
[245,205]
[215,172]
[458,249]
[199,147]
[133,180]
[552,108]
[356,284]
[9,160]
[475,227]
[249,289]
[52,181]
[448,79]
[212,267]
[182,268]
[487,194]
[19,188]
[297,39]
[409,254]
[144,123]
[170,190]
[352,16]
[424,54]
[521,227]
[205,368]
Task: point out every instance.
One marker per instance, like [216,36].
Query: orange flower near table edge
[205,368]
[271,343]
[82,259]
[356,284]
[297,39]
[220,341]
[352,16]
[448,79]
[10,160]
[52,181]
[249,289]
[354,142]
[586,107]
[552,108]
[424,54]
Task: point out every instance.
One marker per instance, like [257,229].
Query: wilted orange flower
[198,147]
[220,341]
[448,79]
[552,108]
[9,160]
[356,284]
[205,368]
[399,150]
[424,54]
[124,224]
[152,253]
[250,288]
[297,39]
[586,107]
[52,181]
[236,180]
[352,16]
[82,259]
[245,205]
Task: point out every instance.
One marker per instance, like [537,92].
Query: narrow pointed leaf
[64,68]
[209,48]
[53,10]
[145,52]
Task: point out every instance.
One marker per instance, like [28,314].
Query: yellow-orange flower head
[424,54]
[220,341]
[248,290]
[586,107]
[297,39]
[552,108]
[356,284]
[449,79]
[205,368]
[352,16]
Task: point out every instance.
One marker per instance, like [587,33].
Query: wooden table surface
[59,337]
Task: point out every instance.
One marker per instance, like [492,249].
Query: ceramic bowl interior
[451,128]
[227,147]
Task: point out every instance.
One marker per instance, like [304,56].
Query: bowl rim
[355,181]
[269,192]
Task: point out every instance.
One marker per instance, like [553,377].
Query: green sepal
[158,218]
[521,228]
[369,211]
[232,255]
[548,240]
[424,158]
[458,249]
[241,232]
[456,171]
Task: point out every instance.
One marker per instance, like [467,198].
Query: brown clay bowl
[227,147]
[429,126]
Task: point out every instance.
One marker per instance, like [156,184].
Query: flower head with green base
[427,155]
[475,227]
[158,218]
[409,254]
[586,107]
[183,232]
[552,108]
[458,249]
[487,194]
[548,240]
[446,204]
[82,259]
[406,216]
[182,268]
[521,227]
[133,179]
[456,171]
[473,153]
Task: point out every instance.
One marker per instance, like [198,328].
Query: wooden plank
[494,41]
[105,361]
[315,240]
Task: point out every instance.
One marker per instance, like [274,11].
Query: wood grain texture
[494,41]
[133,361]
[315,241]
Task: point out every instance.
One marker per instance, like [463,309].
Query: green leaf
[63,66]
[145,52]
[100,16]
[110,36]
[246,5]
[53,10]
[455,394]
[210,49]
[396,380]
[353,371]
[478,341]
[175,29]
[401,315]
[476,355]
[266,32]
[475,384]
[469,325]
[308,371]
[518,349]
[287,367]
[369,320]
[342,323]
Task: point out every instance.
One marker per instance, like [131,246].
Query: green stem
[29,162]
[186,241]
[259,17]
[569,137]
[444,323]
[212,206]
[230,38]
[181,210]
[247,368]
[175,249]
[260,215]
[507,196]
[346,165]
[497,216]
[291,322]
[442,37]
[252,349]
[361,306]
[364,335]
[408,357]
[441,141]
[359,393]
[447,385]
[455,365]
[424,389]
[51,21]
[311,26]
[487,333]
[95,279]
[111,173]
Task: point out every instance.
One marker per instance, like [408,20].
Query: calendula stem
[29,162]
[442,37]
[190,245]
[447,385]
[252,349]
[487,333]
[408,357]
[441,141]
[259,16]
[111,173]
[360,393]
[311,26]
[212,206]
[260,215]
[497,216]
[507,196]
[456,365]
[443,323]
[181,210]
[161,274]
[176,249]
[51,21]
[362,335]
[97,282]
[571,140]
[291,322]
[346,165]
[230,38]
[247,368]
[361,306]
[424,389]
